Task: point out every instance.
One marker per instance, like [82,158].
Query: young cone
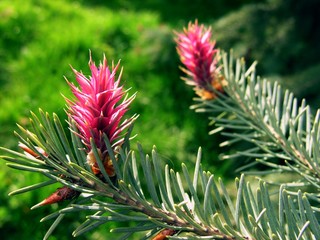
[98,110]
[198,54]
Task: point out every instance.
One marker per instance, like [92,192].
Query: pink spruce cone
[98,109]
[197,53]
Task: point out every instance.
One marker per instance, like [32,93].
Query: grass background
[39,40]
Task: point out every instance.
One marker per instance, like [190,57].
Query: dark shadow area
[176,11]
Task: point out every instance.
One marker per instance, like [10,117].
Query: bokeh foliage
[40,39]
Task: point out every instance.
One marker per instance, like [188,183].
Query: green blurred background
[39,40]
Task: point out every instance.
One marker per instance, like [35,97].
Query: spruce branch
[186,206]
[248,109]
[259,112]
